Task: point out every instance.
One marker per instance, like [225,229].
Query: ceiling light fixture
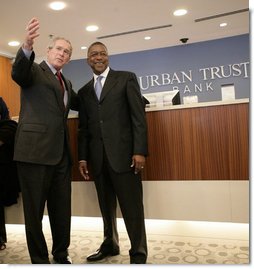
[223,24]
[180,12]
[147,37]
[92,28]
[13,43]
[57,5]
[83,47]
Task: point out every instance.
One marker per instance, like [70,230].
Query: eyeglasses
[98,53]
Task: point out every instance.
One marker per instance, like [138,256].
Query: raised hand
[32,28]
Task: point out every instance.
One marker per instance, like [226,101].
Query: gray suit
[112,130]
[43,156]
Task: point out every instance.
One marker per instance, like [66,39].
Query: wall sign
[198,70]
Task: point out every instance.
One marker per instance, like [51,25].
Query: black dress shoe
[138,259]
[63,260]
[99,255]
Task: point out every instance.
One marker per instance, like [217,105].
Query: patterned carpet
[162,249]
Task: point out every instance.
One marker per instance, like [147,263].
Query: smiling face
[97,58]
[59,54]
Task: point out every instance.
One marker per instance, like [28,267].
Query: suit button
[101,121]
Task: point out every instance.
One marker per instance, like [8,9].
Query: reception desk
[197,169]
[202,141]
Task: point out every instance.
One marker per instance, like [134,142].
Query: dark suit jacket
[42,123]
[117,122]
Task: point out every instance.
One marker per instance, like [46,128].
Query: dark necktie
[98,86]
[59,77]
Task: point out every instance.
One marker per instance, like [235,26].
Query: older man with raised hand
[42,148]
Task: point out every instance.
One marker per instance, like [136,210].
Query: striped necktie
[59,77]
[98,86]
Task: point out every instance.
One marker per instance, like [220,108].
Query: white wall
[219,201]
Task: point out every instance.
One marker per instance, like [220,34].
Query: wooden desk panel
[200,143]
[205,143]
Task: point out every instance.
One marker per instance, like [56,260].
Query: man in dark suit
[113,138]
[42,149]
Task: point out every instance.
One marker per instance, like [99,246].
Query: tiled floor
[169,242]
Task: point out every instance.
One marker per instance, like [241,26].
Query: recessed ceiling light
[223,24]
[83,47]
[13,43]
[180,12]
[57,5]
[92,28]
[147,37]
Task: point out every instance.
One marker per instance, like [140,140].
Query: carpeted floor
[163,248]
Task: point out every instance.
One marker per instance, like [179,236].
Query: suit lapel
[56,85]
[68,89]
[110,82]
[91,91]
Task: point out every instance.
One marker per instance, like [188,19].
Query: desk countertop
[194,105]
[74,114]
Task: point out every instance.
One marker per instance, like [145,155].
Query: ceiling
[128,21]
